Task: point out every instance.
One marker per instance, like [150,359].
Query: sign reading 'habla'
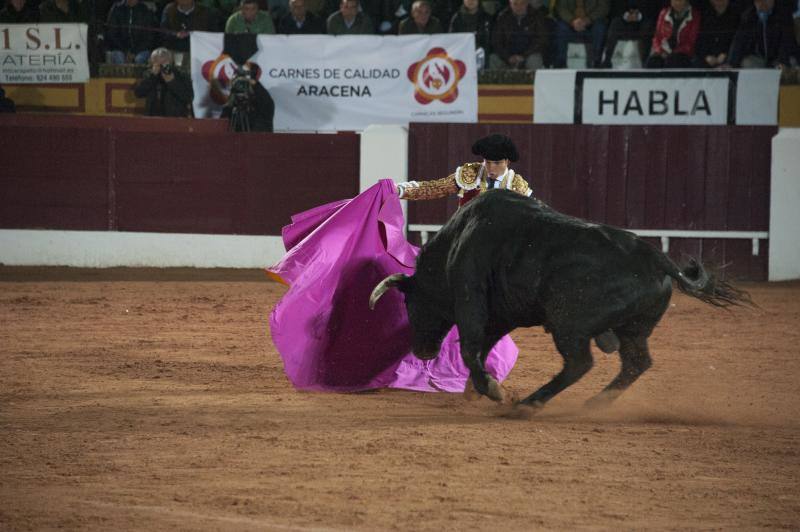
[657,97]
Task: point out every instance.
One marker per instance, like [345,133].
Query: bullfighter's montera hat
[495,148]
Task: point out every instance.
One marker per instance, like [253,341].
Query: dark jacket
[648,8]
[6,104]
[389,9]
[48,12]
[166,99]
[362,25]
[479,24]
[524,37]
[409,27]
[9,15]
[716,32]
[773,42]
[567,10]
[174,21]
[126,28]
[311,25]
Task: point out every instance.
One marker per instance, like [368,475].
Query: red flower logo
[436,77]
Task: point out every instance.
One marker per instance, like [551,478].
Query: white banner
[43,53]
[696,97]
[321,82]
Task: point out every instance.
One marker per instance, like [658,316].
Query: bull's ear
[397,280]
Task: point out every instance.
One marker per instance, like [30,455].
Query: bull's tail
[705,284]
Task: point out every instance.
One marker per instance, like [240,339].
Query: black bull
[507,261]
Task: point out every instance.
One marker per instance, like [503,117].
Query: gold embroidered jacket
[467,181]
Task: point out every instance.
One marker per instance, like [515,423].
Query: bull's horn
[390,282]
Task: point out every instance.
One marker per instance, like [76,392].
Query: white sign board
[43,53]
[697,97]
[322,82]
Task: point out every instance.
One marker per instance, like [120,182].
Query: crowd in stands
[512,34]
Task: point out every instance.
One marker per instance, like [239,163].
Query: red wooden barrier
[176,175]
[635,177]
[139,174]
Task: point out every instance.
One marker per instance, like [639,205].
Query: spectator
[796,21]
[471,18]
[765,37]
[216,15]
[520,37]
[168,90]
[349,21]
[580,20]
[6,104]
[322,9]
[392,13]
[250,19]
[179,18]
[420,21]
[676,34]
[61,11]
[300,21]
[277,9]
[130,33]
[19,12]
[630,20]
[718,24]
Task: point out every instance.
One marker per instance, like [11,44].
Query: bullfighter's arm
[426,190]
[520,186]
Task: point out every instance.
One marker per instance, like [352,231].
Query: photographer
[167,89]
[250,106]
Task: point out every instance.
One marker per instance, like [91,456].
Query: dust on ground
[138,399]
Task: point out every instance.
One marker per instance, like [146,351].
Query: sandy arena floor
[154,400]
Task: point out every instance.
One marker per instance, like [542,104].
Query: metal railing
[665,235]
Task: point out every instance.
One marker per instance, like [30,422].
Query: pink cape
[323,328]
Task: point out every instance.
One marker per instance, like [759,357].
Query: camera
[249,106]
[240,84]
[167,69]
[239,102]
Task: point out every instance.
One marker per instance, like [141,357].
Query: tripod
[239,119]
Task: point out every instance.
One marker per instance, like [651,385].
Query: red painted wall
[177,175]
[637,177]
[166,175]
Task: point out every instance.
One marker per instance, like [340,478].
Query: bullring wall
[155,175]
[126,176]
[714,178]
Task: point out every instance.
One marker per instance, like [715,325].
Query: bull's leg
[635,356]
[577,361]
[475,347]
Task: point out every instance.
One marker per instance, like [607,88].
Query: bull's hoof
[608,342]
[499,394]
[470,393]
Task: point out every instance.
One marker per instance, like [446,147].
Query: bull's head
[428,326]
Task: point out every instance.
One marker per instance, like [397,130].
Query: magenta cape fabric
[324,331]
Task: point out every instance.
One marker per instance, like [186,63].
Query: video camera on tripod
[240,100]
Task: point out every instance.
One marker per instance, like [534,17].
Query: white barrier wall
[384,154]
[784,206]
[106,249]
